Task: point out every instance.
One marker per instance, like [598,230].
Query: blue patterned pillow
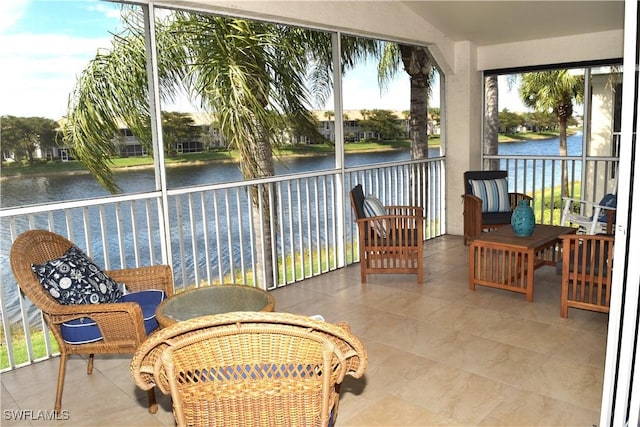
[75,279]
[494,194]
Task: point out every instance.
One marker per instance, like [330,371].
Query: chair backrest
[250,368]
[357,201]
[468,175]
[36,247]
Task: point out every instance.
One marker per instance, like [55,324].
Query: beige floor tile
[526,409]
[439,355]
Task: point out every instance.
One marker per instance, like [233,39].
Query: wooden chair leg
[153,406]
[61,372]
[90,365]
[363,266]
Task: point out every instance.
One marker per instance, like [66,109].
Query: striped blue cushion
[494,194]
[374,207]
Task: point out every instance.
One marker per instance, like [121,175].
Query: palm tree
[554,91]
[250,75]
[491,120]
[419,65]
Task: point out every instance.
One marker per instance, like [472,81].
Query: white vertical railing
[211,233]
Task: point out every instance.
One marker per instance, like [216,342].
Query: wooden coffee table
[212,300]
[500,259]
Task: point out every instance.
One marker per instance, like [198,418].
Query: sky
[45,44]
[43,47]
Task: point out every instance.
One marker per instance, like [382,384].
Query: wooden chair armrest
[472,201]
[143,278]
[404,210]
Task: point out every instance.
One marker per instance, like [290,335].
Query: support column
[464,94]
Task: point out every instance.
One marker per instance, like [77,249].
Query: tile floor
[439,355]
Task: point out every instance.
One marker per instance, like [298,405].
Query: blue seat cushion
[491,218]
[85,330]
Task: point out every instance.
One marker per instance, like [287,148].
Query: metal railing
[587,178]
[212,237]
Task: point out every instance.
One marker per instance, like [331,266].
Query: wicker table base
[212,300]
[500,259]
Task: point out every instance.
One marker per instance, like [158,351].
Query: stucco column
[463,121]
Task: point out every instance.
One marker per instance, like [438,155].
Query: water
[40,189]
[63,187]
[543,147]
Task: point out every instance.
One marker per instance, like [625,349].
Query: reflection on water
[23,191]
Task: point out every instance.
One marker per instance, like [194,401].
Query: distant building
[209,136]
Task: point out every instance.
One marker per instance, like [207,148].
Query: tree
[176,128]
[491,120]
[509,121]
[419,65]
[554,91]
[382,122]
[24,135]
[541,121]
[250,75]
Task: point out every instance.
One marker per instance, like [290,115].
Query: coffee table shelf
[501,259]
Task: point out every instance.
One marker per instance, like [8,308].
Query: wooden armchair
[121,326]
[390,242]
[477,215]
[587,262]
[251,369]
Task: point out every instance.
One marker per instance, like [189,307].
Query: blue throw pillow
[75,279]
[494,194]
[608,201]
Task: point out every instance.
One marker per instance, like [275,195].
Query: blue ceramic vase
[523,221]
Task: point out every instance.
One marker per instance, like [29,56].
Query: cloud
[43,71]
[42,63]
[10,13]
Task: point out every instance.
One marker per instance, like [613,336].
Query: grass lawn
[213,155]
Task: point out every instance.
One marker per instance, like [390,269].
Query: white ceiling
[495,22]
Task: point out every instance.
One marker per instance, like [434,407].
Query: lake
[41,189]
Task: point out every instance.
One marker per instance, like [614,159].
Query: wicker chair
[120,324]
[250,369]
[475,220]
[399,249]
[587,262]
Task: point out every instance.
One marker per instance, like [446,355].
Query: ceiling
[495,22]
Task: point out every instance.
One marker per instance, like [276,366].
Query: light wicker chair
[121,324]
[587,266]
[250,369]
